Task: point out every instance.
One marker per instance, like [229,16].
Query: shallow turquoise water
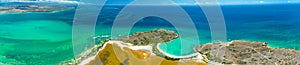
[35,40]
[46,38]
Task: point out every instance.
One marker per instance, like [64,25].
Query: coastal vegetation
[140,49]
[250,53]
[150,38]
[121,51]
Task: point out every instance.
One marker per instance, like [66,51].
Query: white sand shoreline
[85,61]
[186,56]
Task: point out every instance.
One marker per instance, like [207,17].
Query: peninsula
[138,49]
[142,48]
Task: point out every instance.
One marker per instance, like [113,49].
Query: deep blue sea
[46,38]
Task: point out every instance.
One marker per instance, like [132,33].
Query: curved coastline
[144,45]
[173,56]
[84,61]
[85,57]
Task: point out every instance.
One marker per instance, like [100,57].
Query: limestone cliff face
[250,53]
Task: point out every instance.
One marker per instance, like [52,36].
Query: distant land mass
[39,32]
[32,0]
[25,8]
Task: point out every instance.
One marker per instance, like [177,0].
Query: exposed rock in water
[249,53]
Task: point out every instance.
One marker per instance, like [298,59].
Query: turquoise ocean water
[46,38]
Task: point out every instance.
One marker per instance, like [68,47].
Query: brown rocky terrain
[152,37]
[121,53]
[249,53]
[113,54]
[138,49]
